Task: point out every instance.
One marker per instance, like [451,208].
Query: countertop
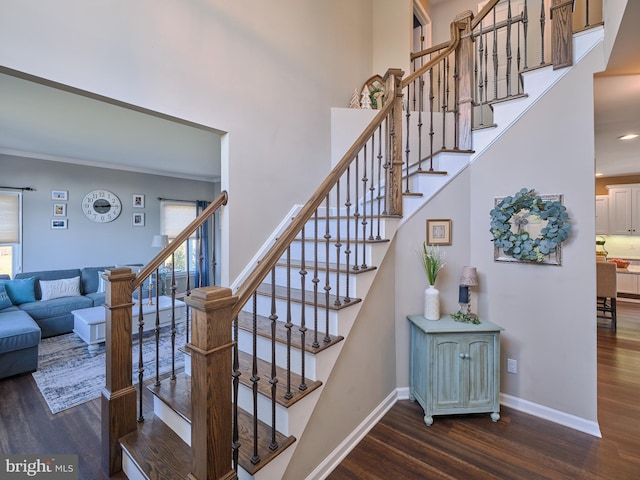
[631,269]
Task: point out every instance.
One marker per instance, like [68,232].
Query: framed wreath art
[529,228]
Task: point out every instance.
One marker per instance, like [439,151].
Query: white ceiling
[617,101]
[42,121]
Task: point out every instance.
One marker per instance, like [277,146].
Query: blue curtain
[202,237]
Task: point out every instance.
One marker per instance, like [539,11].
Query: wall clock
[101,206]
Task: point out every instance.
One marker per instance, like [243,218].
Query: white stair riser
[264,309]
[354,257]
[355,225]
[245,401]
[245,343]
[296,279]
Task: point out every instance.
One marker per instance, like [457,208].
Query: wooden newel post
[393,81]
[211,354]
[118,394]
[464,70]
[562,33]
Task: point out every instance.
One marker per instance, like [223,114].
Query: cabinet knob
[464,355]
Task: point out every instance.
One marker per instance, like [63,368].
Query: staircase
[302,313]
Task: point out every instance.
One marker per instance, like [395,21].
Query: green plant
[465,317]
[432,261]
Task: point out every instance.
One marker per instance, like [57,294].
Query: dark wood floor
[401,447]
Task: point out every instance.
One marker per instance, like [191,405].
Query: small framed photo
[59,209]
[60,195]
[138,200]
[138,219]
[58,223]
[438,232]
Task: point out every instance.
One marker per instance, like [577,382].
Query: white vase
[431,303]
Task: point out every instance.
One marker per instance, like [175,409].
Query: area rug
[68,375]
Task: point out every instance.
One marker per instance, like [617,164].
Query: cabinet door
[620,203]
[635,211]
[627,283]
[481,361]
[449,364]
[602,214]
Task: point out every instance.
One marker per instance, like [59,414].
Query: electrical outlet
[512,365]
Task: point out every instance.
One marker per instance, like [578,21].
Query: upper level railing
[312,260]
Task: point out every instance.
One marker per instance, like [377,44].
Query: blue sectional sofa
[37,305]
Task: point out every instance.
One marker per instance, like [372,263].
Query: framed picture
[438,232]
[59,195]
[138,219]
[59,209]
[58,223]
[138,200]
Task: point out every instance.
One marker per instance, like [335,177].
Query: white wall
[266,72]
[86,243]
[548,312]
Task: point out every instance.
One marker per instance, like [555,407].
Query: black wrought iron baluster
[519,60]
[456,102]
[140,357]
[543,18]
[364,213]
[486,68]
[338,243]
[173,336]
[255,458]
[235,375]
[188,290]
[327,285]
[303,320]
[480,71]
[495,56]
[440,92]
[525,29]
[387,169]
[431,129]
[347,252]
[289,325]
[586,20]
[379,179]
[273,445]
[508,47]
[445,101]
[407,148]
[372,187]
[356,214]
[157,330]
[420,108]
[316,280]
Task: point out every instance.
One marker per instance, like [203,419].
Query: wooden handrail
[452,45]
[278,248]
[483,13]
[180,239]
[429,50]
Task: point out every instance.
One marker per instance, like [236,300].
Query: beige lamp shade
[469,276]
[160,241]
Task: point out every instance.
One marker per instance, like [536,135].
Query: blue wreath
[520,245]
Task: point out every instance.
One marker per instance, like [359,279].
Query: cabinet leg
[428,420]
[412,397]
[495,416]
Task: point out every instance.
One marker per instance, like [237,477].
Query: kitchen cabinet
[624,209]
[602,214]
[627,280]
[454,367]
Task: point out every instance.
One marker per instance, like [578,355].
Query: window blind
[10,217]
[175,216]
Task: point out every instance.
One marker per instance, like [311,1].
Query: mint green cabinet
[454,367]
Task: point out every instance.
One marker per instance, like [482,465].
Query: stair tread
[296,296]
[245,322]
[158,451]
[333,267]
[177,394]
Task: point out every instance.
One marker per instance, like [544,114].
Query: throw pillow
[65,287]
[21,290]
[102,285]
[5,301]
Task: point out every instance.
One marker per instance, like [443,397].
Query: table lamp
[469,278]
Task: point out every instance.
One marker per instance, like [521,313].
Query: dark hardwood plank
[470,447]
[519,446]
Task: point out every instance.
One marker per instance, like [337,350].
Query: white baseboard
[556,416]
[334,458]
